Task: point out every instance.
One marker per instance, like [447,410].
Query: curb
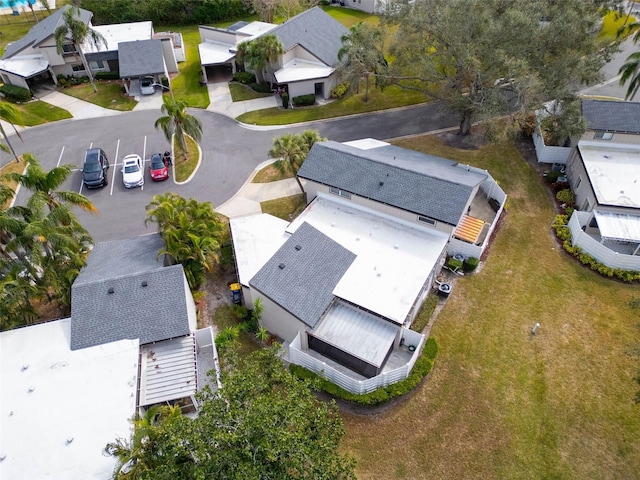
[195,170]
[246,182]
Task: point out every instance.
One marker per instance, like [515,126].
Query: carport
[26,70]
[217,60]
[141,58]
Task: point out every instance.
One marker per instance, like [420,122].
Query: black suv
[94,171]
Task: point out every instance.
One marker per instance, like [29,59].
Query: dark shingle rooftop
[316,31]
[151,306]
[140,57]
[301,280]
[43,30]
[422,184]
[623,117]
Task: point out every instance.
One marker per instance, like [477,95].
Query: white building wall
[369,6]
[580,183]
[170,61]
[191,306]
[13,79]
[277,320]
[630,138]
[220,36]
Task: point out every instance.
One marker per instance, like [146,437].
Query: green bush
[454,263]
[470,264]
[245,78]
[107,75]
[566,196]
[340,90]
[552,177]
[420,370]
[15,93]
[304,100]
[285,100]
[164,81]
[261,87]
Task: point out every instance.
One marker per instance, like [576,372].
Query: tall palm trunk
[6,140]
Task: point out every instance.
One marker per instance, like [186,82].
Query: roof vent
[281,266]
[69,440]
[607,156]
[298,247]
[111,290]
[396,246]
[381,183]
[24,367]
[144,283]
[2,456]
[31,389]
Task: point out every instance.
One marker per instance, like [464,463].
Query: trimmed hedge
[245,78]
[261,87]
[340,90]
[564,233]
[470,264]
[107,76]
[420,370]
[304,100]
[15,93]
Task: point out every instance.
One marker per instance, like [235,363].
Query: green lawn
[109,95]
[612,22]
[349,17]
[499,402]
[240,92]
[271,173]
[184,168]
[38,112]
[286,208]
[391,97]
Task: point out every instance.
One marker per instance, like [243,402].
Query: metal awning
[26,66]
[168,370]
[618,226]
[214,53]
[298,70]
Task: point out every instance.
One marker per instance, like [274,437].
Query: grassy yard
[286,208]
[240,92]
[184,168]
[38,112]
[271,173]
[11,167]
[499,402]
[391,97]
[224,317]
[109,95]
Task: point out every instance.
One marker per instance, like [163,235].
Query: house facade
[343,282]
[311,42]
[604,173]
[34,58]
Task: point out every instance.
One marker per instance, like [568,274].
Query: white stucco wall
[278,321]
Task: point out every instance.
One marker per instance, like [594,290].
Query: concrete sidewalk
[221,102]
[76,107]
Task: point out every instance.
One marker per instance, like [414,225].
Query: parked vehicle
[147,87]
[94,169]
[132,172]
[158,169]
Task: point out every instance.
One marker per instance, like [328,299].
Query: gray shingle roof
[314,30]
[304,286]
[623,117]
[140,57]
[43,30]
[121,258]
[422,184]
[151,313]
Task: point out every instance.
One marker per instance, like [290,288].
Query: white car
[147,87]
[132,171]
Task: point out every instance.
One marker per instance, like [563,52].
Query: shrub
[304,100]
[454,263]
[107,75]
[528,125]
[340,90]
[16,93]
[261,87]
[420,370]
[245,78]
[285,100]
[164,81]
[470,264]
[552,177]
[566,196]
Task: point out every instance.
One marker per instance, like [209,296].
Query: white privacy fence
[351,384]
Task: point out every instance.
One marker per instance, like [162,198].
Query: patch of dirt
[215,292]
[473,141]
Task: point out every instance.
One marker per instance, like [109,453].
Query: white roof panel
[168,370]
[60,407]
[117,33]
[614,172]
[618,226]
[358,333]
[297,70]
[257,28]
[255,239]
[214,53]
[25,66]
[393,259]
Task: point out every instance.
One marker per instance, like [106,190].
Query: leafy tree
[630,70]
[75,30]
[485,57]
[261,53]
[563,122]
[191,231]
[263,424]
[177,121]
[291,149]
[361,54]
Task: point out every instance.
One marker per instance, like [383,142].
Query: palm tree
[178,122]
[630,70]
[75,30]
[12,115]
[261,53]
[291,150]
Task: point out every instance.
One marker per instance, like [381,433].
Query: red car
[157,168]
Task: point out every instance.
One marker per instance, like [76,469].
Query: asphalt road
[230,153]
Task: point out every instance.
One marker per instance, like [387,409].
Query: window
[77,67]
[578,182]
[427,220]
[603,135]
[97,65]
[593,223]
[69,49]
[337,191]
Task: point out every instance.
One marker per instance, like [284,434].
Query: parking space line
[115,164]
[144,159]
[60,157]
